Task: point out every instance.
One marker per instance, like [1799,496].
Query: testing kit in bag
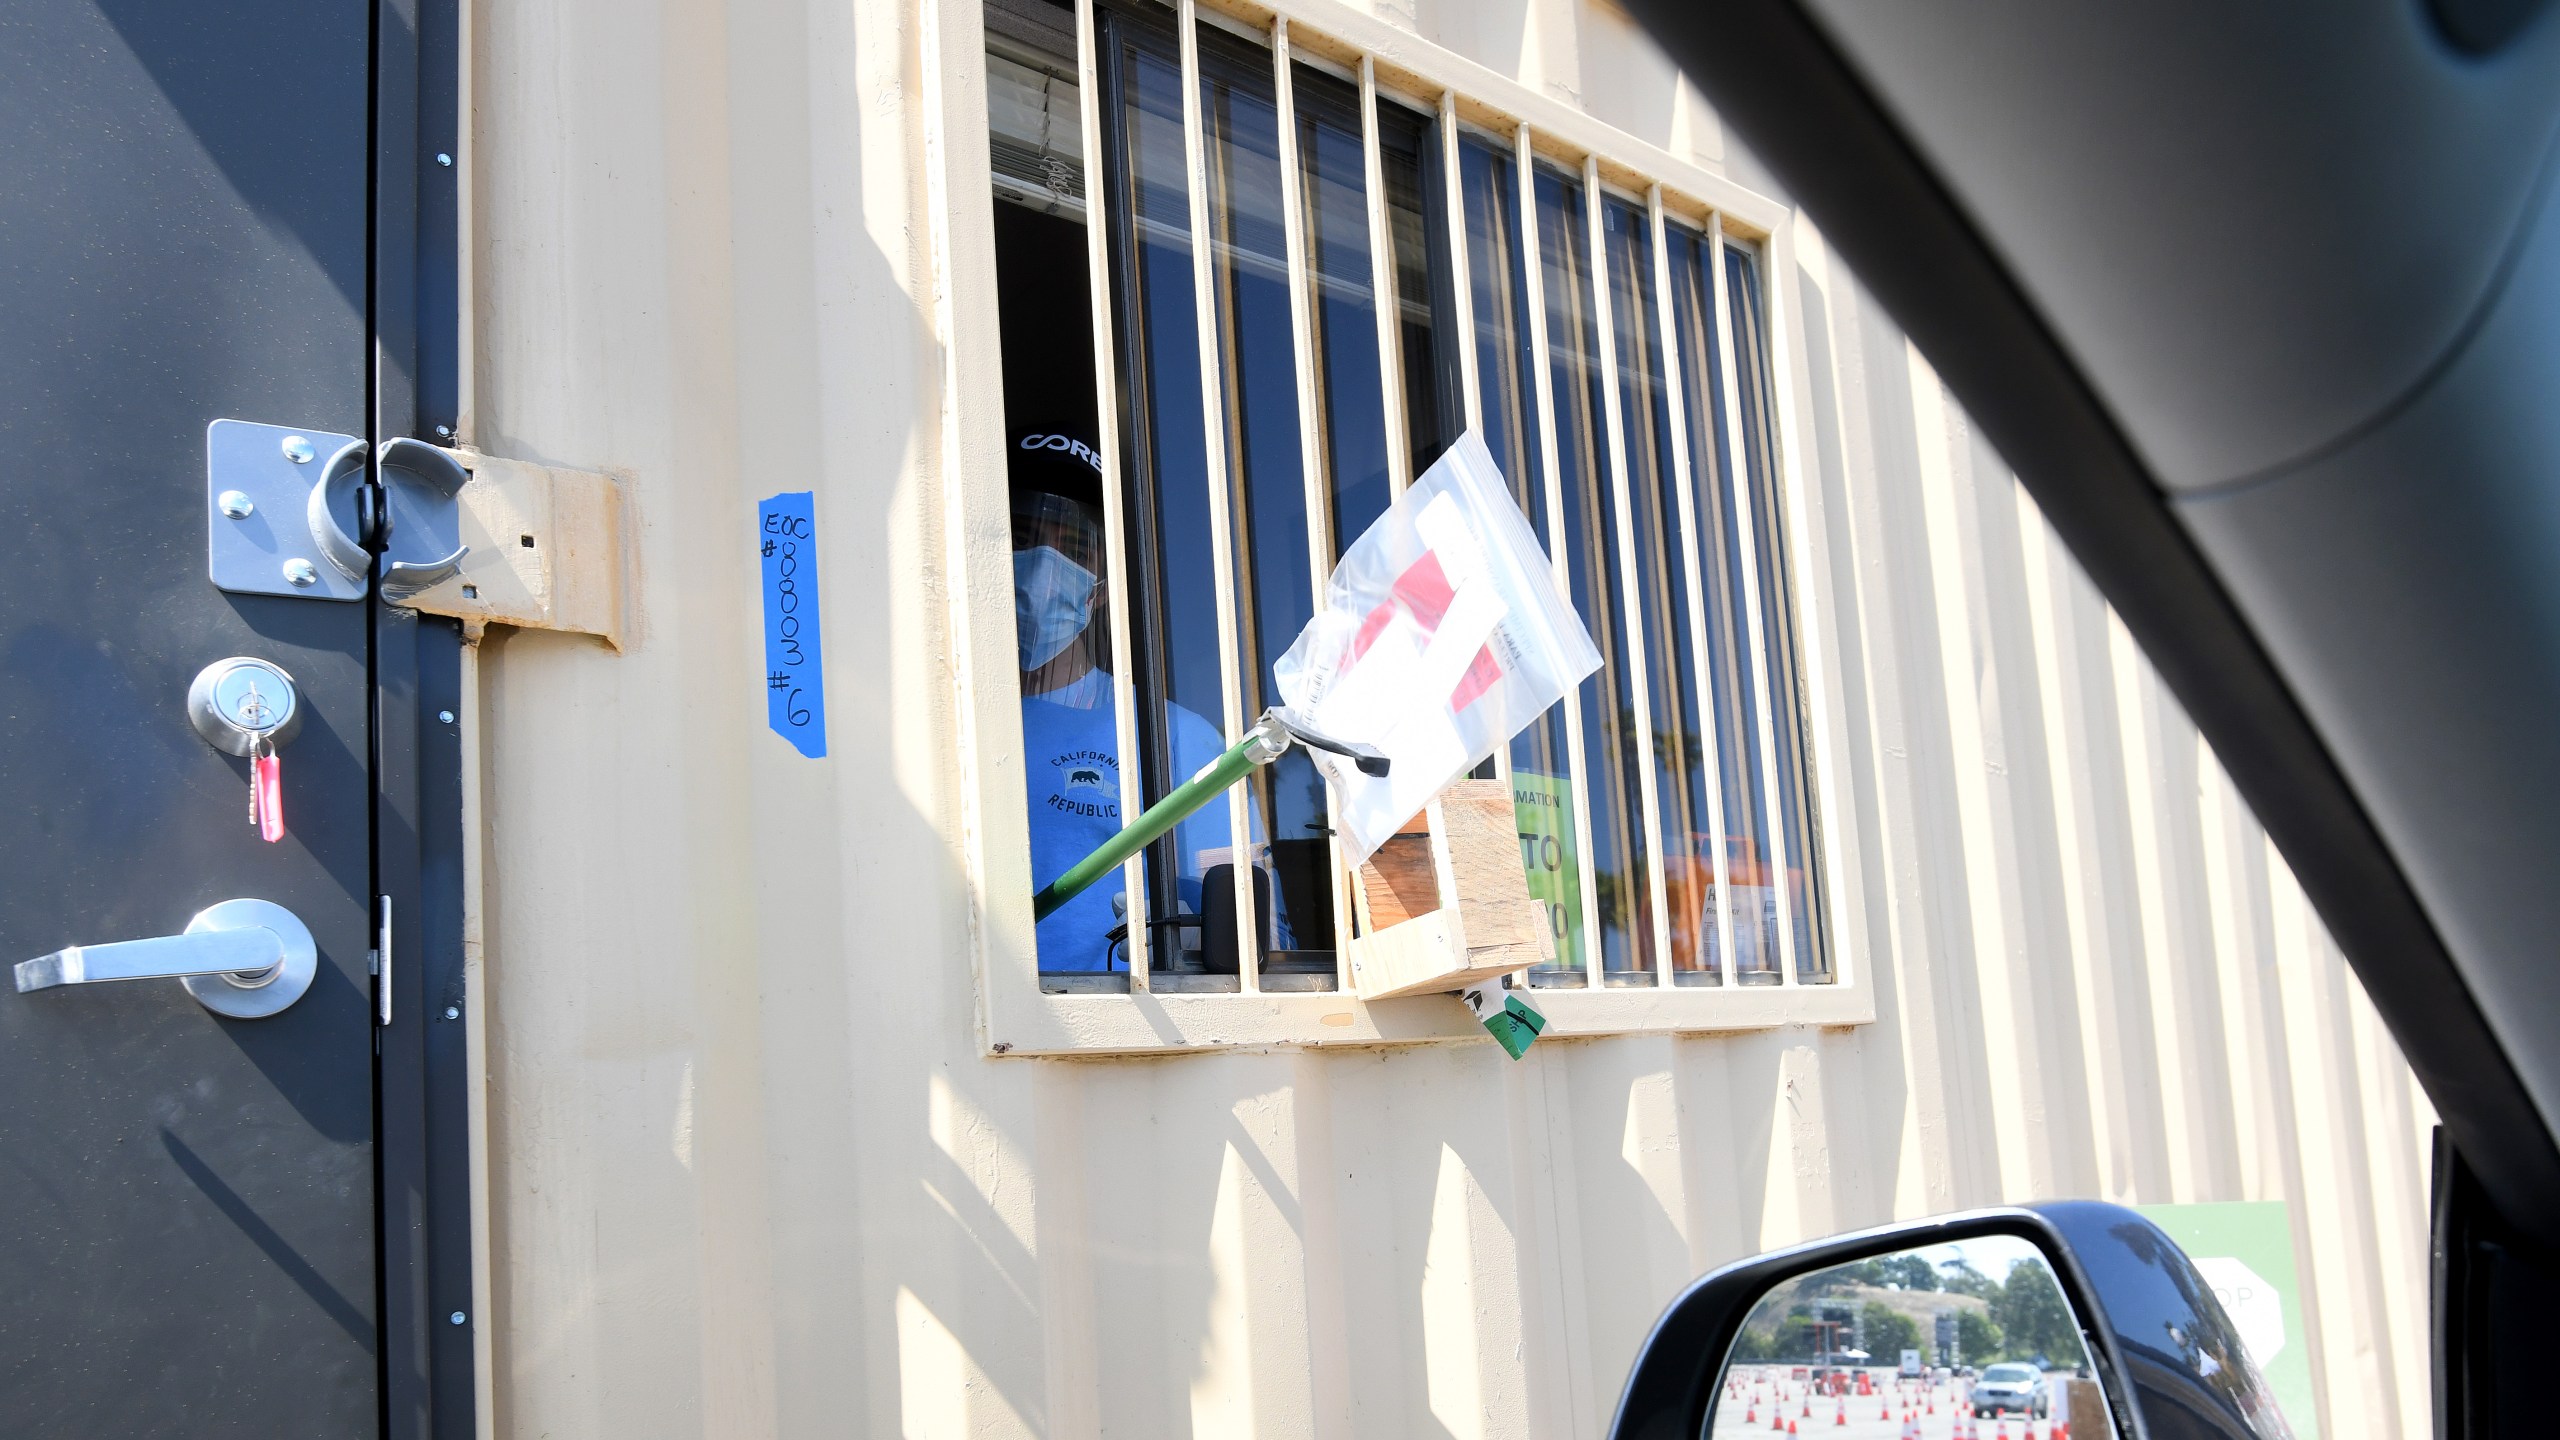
[1443,635]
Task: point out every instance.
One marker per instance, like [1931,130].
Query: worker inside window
[1070,718]
[1063,601]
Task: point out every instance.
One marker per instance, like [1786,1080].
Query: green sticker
[1513,1023]
[2244,1249]
[1544,804]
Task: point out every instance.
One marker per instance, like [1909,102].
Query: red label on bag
[1424,591]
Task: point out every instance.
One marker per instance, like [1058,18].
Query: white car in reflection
[2008,1389]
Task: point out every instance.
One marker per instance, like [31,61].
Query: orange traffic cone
[1885,1412]
[1751,1416]
[1843,1417]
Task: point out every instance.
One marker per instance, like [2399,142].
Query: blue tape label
[795,674]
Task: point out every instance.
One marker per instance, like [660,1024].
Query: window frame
[1016,1015]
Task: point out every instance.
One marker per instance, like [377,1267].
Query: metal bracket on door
[287,513]
[382,961]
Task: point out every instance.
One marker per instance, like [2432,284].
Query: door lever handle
[242,958]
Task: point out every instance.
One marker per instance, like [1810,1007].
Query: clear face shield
[1057,567]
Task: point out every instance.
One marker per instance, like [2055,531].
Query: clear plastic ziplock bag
[1443,635]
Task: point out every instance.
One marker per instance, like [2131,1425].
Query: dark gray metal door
[187,1201]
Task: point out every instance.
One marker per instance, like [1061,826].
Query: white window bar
[1382,286]
[1629,595]
[1702,643]
[1461,277]
[1459,261]
[1533,266]
[1311,432]
[1213,418]
[1115,525]
[1772,860]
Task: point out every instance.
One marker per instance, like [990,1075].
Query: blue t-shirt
[1071,768]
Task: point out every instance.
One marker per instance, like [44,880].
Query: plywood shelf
[1445,904]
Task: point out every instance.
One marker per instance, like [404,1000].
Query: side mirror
[2076,1319]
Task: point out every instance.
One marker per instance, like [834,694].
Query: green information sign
[2245,1249]
[1545,807]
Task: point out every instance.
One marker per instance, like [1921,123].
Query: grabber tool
[1269,738]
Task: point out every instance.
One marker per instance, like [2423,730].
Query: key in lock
[246,706]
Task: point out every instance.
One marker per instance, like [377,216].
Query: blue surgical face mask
[1052,598]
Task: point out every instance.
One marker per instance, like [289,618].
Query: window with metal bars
[1298,287]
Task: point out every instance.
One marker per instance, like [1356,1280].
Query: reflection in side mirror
[2067,1317]
[1972,1337]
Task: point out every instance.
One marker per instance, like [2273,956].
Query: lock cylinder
[242,702]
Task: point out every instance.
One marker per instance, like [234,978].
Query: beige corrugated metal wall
[749,1172]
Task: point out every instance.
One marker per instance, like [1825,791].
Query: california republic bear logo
[1090,769]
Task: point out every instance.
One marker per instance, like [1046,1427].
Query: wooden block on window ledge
[1445,904]
[545,550]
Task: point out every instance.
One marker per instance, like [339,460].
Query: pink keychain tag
[266,794]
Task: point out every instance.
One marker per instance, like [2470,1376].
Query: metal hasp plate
[281,519]
[259,480]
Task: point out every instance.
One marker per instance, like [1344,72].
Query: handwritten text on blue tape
[795,676]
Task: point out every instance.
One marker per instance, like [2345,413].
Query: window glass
[1489,185]
[1732,710]
[1799,846]
[1506,376]
[1343,301]
[1035,132]
[1071,758]
[1267,499]
[1659,569]
[1409,161]
[1615,860]
[1171,544]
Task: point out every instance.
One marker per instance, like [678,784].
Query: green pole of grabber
[1260,746]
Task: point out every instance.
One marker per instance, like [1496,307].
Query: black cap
[1045,462]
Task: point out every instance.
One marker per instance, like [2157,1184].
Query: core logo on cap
[1067,443]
